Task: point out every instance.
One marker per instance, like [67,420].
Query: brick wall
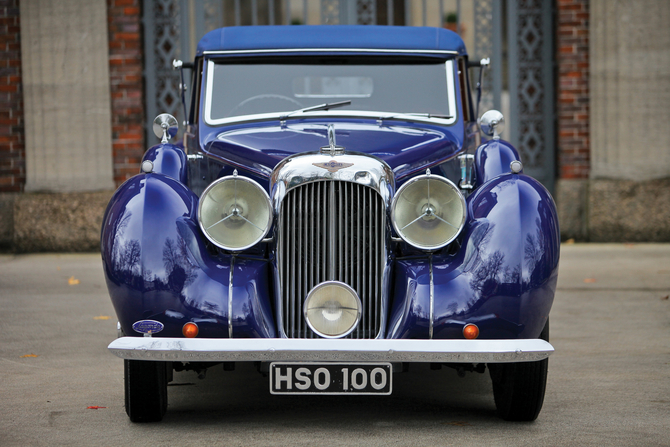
[125,71]
[572,39]
[12,149]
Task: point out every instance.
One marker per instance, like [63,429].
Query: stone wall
[629,210]
[615,166]
[630,89]
[69,221]
[65,74]
[629,186]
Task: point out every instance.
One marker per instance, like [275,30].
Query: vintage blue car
[333,215]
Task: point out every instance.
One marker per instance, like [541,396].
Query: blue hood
[406,147]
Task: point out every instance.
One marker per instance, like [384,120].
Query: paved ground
[609,380]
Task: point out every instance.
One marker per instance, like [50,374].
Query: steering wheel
[263,97]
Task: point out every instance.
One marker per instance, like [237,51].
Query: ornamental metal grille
[330,12]
[332,231]
[484,38]
[161,41]
[366,13]
[531,86]
[172,29]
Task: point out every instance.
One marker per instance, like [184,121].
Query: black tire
[145,390]
[518,388]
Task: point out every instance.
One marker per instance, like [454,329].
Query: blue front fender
[157,266]
[503,278]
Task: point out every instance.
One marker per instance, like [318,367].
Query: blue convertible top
[406,38]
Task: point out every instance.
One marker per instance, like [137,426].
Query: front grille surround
[331,230]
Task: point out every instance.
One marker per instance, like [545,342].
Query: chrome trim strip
[451,89]
[451,92]
[339,113]
[326,50]
[323,350]
[230,297]
[432,298]
[208,92]
[331,231]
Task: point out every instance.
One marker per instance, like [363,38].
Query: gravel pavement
[609,379]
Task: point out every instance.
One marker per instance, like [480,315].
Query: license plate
[330,378]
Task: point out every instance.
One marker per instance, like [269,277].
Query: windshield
[393,86]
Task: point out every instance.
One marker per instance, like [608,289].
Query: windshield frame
[333,113]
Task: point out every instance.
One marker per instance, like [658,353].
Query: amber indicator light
[190,330]
[471,331]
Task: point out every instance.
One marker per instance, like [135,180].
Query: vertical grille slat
[314,214]
[340,237]
[293,263]
[369,256]
[378,255]
[300,291]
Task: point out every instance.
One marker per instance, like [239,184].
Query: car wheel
[145,390]
[518,388]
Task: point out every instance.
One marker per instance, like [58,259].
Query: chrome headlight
[428,212]
[235,213]
[332,309]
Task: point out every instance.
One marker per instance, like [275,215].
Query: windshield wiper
[326,106]
[423,115]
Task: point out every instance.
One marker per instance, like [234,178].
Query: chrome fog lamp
[332,309]
[428,212]
[235,213]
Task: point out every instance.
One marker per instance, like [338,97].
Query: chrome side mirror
[165,127]
[492,123]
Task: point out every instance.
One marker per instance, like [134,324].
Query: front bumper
[320,350]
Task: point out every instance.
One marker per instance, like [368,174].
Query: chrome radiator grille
[331,230]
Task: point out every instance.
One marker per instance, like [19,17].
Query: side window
[464,85]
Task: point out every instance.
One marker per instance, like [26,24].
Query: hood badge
[332,166]
[332,148]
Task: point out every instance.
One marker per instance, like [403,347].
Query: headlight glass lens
[428,212]
[332,309]
[235,213]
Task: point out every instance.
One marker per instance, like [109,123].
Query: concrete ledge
[572,206]
[7,220]
[629,211]
[600,210]
[67,222]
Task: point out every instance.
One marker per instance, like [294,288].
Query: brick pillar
[572,110]
[573,89]
[12,149]
[125,68]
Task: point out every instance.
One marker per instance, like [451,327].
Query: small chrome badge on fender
[332,166]
[148,326]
